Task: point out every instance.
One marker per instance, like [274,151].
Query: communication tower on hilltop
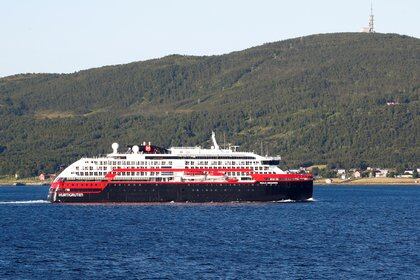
[370,28]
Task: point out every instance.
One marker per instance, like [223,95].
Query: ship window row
[105,168]
[137,163]
[156,173]
[221,162]
[127,162]
[104,171]
[90,173]
[118,166]
[199,157]
[123,173]
[226,167]
[246,173]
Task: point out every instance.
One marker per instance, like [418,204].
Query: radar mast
[213,139]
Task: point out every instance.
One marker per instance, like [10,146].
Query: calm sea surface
[346,233]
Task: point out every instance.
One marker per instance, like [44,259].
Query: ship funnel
[115,148]
[213,138]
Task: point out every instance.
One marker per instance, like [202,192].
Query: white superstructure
[149,157]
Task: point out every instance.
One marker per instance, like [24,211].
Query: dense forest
[321,99]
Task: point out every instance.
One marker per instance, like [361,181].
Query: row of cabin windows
[134,163]
[155,162]
[96,173]
[99,173]
[128,163]
[227,167]
[114,167]
[222,163]
[244,174]
[195,167]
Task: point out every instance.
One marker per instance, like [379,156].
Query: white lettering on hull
[70,195]
[269,183]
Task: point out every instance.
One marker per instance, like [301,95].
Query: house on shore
[381,173]
[357,174]
[43,176]
[406,174]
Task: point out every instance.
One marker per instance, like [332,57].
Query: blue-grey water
[346,233]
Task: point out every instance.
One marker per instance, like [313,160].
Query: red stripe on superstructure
[256,176]
[181,183]
[134,169]
[270,177]
[74,184]
[79,185]
[100,185]
[84,184]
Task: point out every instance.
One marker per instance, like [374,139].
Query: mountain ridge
[320,98]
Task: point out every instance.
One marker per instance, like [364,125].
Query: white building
[341,171]
[381,173]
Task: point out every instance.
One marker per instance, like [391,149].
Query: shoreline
[370,181]
[24,184]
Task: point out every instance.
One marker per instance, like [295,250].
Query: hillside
[315,99]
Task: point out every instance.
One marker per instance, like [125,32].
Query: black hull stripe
[149,192]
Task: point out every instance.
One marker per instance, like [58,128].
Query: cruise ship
[149,173]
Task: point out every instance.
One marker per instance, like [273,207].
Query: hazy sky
[66,36]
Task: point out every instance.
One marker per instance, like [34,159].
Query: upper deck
[144,158]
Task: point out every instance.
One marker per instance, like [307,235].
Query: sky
[56,36]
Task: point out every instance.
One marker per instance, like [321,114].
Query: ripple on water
[352,232]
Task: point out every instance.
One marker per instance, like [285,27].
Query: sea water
[345,233]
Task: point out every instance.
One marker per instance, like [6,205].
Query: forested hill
[315,99]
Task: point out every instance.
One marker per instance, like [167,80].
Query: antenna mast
[371,29]
[213,138]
